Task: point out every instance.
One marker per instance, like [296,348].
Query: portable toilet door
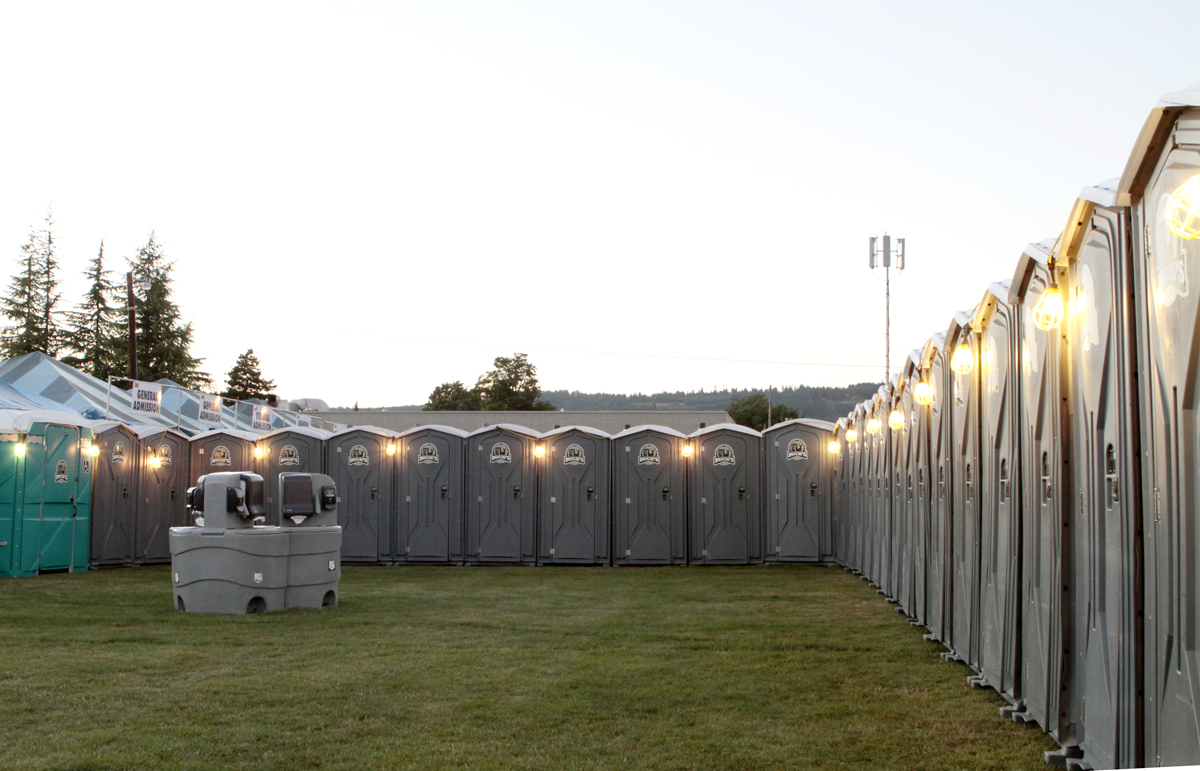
[649,497]
[58,461]
[12,494]
[939,563]
[162,481]
[1166,166]
[296,449]
[114,495]
[858,489]
[1042,403]
[575,503]
[1000,528]
[836,448]
[361,461]
[798,491]
[903,557]
[502,478]
[221,450]
[914,498]
[1101,705]
[964,429]
[882,499]
[431,495]
[723,497]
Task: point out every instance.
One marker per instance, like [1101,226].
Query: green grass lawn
[492,668]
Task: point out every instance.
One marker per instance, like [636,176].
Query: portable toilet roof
[585,429]
[21,421]
[444,429]
[507,427]
[823,425]
[1148,147]
[249,436]
[723,427]
[649,427]
[369,429]
[315,433]
[143,430]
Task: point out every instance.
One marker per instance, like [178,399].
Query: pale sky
[381,197]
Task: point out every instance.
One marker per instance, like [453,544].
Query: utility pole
[882,258]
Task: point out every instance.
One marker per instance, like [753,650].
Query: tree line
[92,335]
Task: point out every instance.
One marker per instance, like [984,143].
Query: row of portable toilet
[1039,516]
[575,495]
[45,492]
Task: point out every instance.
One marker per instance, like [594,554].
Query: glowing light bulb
[923,393]
[539,451]
[1182,213]
[19,450]
[687,451]
[873,425]
[258,452]
[851,435]
[835,447]
[963,360]
[896,420]
[155,462]
[1048,313]
[391,449]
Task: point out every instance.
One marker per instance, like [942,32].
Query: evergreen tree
[95,336]
[33,297]
[163,342]
[245,380]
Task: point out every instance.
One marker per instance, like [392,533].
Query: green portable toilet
[45,492]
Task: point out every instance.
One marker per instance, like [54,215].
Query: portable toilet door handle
[172,494]
[666,493]
[591,493]
[125,492]
[1110,474]
[516,491]
[445,492]
[742,493]
[374,492]
[812,489]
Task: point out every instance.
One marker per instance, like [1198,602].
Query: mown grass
[491,668]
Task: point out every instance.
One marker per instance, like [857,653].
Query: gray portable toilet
[935,360]
[221,450]
[902,535]
[724,486]
[1043,412]
[575,506]
[913,455]
[295,449]
[1000,520]
[1160,185]
[966,496]
[838,512]
[798,491]
[858,488]
[1101,707]
[649,497]
[881,499]
[115,495]
[361,460]
[163,479]
[431,494]
[502,478]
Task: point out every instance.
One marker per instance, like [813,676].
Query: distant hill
[810,401]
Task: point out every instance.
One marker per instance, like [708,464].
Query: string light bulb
[851,435]
[258,452]
[923,393]
[896,420]
[1182,215]
[874,425]
[391,449]
[835,447]
[963,360]
[19,450]
[539,451]
[1048,313]
[687,451]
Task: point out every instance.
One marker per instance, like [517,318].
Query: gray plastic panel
[162,481]
[214,453]
[724,486]
[940,561]
[501,510]
[114,500]
[964,428]
[798,494]
[649,499]
[575,507]
[230,571]
[431,494]
[364,473]
[1000,524]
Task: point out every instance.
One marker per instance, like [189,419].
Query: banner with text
[147,398]
[303,420]
[262,418]
[210,410]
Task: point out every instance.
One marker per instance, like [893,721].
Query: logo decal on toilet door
[648,455]
[289,456]
[501,453]
[164,454]
[60,471]
[573,456]
[427,454]
[723,456]
[358,456]
[118,455]
[221,456]
[797,450]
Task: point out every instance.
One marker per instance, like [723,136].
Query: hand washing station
[227,563]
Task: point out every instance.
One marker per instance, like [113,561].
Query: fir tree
[33,297]
[245,380]
[95,337]
[163,343]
